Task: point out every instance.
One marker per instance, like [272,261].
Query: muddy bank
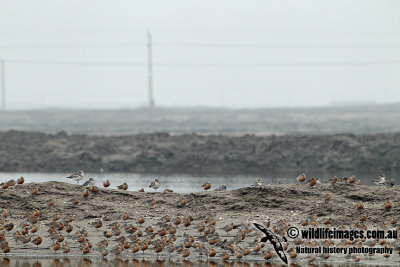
[213,154]
[284,205]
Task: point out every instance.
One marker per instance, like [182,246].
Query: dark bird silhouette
[269,236]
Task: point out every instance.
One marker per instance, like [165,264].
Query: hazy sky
[92,54]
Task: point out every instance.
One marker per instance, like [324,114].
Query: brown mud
[287,203]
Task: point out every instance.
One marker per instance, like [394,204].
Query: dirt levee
[161,152]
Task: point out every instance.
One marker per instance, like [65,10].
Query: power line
[212,45]
[208,65]
[74,31]
[46,46]
[278,64]
[279,45]
[82,63]
[200,30]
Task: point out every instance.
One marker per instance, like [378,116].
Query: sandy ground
[284,205]
[196,154]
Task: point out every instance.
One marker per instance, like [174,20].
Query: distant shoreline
[334,119]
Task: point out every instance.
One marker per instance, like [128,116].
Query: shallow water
[185,183]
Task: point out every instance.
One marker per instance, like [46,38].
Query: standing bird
[77,176]
[301,178]
[21,180]
[89,183]
[37,241]
[206,185]
[155,184]
[123,186]
[221,188]
[352,180]
[258,183]
[312,182]
[34,191]
[382,180]
[106,183]
[328,197]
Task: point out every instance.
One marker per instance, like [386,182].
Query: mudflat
[193,153]
[283,205]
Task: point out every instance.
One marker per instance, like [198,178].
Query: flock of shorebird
[78,176]
[180,236]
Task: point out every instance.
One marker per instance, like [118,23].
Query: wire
[199,30]
[209,65]
[82,63]
[212,45]
[46,46]
[280,45]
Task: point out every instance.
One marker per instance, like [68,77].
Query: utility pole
[150,70]
[3,85]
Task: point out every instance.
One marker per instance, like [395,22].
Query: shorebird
[155,184]
[93,189]
[352,179]
[333,180]
[4,185]
[21,180]
[327,197]
[106,183]
[75,201]
[258,183]
[50,202]
[292,254]
[228,228]
[5,213]
[381,180]
[12,182]
[126,216]
[89,183]
[66,248]
[77,176]
[123,186]
[221,188]
[85,193]
[140,220]
[186,253]
[97,224]
[206,185]
[301,178]
[56,247]
[327,221]
[225,256]
[8,227]
[37,241]
[34,191]
[181,202]
[313,182]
